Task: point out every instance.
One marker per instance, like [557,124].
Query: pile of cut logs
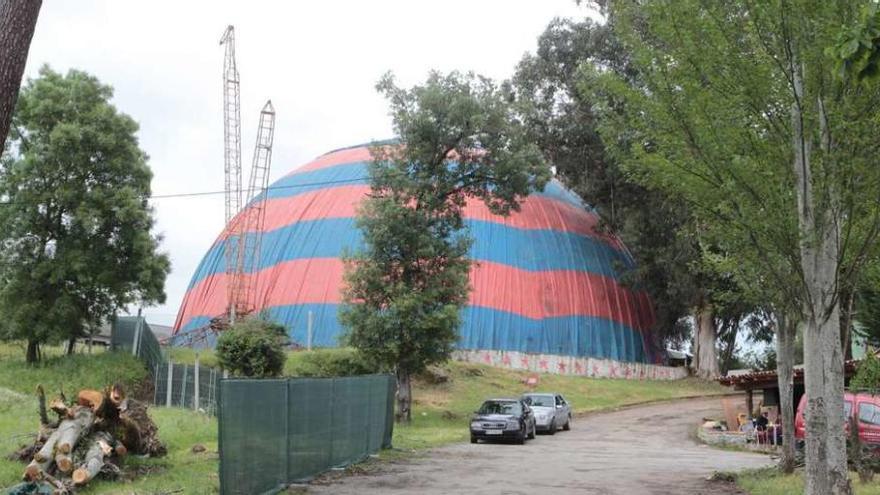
[90,436]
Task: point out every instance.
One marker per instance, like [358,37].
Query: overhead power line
[215,193]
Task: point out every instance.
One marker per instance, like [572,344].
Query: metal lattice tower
[231,160]
[255,212]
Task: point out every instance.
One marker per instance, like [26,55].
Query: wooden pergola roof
[768,379]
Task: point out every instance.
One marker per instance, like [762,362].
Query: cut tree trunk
[70,430]
[99,448]
[18,18]
[404,397]
[63,462]
[705,357]
[36,469]
[46,453]
[785,334]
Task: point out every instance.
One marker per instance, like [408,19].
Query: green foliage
[857,49]
[561,119]
[713,127]
[327,363]
[253,348]
[76,221]
[459,139]
[867,304]
[867,375]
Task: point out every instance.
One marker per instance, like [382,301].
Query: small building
[765,384]
[678,358]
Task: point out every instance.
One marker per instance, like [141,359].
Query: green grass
[770,481]
[70,372]
[441,411]
[179,429]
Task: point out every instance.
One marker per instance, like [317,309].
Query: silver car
[551,411]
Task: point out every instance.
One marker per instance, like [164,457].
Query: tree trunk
[47,452]
[826,469]
[33,349]
[847,299]
[404,397]
[94,458]
[705,359]
[729,340]
[71,346]
[70,430]
[18,18]
[785,333]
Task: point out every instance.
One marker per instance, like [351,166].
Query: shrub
[253,348]
[867,376]
[329,362]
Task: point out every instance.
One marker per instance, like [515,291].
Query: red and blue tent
[544,281]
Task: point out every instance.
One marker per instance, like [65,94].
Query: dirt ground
[641,450]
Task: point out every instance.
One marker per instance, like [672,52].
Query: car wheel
[532,433]
[473,439]
[567,425]
[552,429]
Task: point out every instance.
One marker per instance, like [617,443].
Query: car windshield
[495,407]
[541,400]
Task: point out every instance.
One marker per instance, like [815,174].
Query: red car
[864,408]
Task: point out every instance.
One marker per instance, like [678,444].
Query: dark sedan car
[508,419]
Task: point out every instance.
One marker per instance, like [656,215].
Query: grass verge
[443,403]
[181,471]
[441,411]
[770,481]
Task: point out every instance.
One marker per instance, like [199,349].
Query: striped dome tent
[545,281]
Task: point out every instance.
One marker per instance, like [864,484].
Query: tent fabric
[545,279]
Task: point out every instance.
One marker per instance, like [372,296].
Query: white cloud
[317,61]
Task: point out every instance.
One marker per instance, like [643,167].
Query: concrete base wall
[714,437]
[571,365]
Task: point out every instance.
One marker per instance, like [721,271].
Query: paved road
[642,450]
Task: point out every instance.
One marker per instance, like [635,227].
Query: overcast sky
[317,61]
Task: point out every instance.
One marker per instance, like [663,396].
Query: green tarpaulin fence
[276,432]
[133,334]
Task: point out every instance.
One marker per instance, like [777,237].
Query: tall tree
[459,140]
[18,18]
[75,218]
[655,226]
[769,144]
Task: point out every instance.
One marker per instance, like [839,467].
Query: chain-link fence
[186,386]
[275,432]
[189,386]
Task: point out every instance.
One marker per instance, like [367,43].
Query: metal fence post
[168,388]
[196,381]
[287,431]
[156,385]
[369,415]
[137,334]
[183,386]
[332,429]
